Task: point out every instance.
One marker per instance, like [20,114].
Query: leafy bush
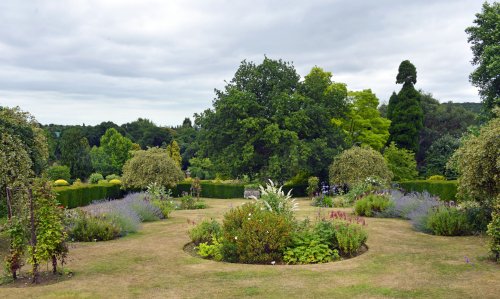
[161,198]
[115,181]
[448,221]
[58,172]
[401,162]
[143,207]
[478,216]
[436,178]
[322,201]
[309,248]
[446,190]
[152,165]
[113,177]
[211,250]
[205,231]
[349,237]
[61,183]
[253,235]
[494,232]
[86,228]
[95,178]
[312,186]
[274,200]
[188,202]
[372,204]
[354,165]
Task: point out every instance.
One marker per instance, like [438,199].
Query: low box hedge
[446,190]
[82,195]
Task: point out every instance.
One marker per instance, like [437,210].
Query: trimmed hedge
[297,190]
[446,190]
[82,195]
[212,190]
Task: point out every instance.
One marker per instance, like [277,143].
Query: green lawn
[400,262]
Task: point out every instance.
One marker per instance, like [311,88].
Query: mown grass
[400,263]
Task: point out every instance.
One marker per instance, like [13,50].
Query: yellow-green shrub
[115,181]
[437,178]
[61,182]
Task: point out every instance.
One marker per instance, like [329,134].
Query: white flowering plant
[274,199]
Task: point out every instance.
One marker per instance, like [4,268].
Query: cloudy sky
[88,61]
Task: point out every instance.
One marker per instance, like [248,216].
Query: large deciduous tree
[401,162]
[484,37]
[267,123]
[364,125]
[405,111]
[75,152]
[114,151]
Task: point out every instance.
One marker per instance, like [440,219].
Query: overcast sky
[74,62]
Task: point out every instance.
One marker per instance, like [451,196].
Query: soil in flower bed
[45,278]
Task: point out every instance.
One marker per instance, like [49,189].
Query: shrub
[212,250]
[322,201]
[115,181]
[152,165]
[274,200]
[205,231]
[82,195]
[253,235]
[349,237]
[58,172]
[436,178]
[95,178]
[60,183]
[77,183]
[401,162]
[309,248]
[494,232]
[448,221]
[161,198]
[143,207]
[372,204]
[110,177]
[188,202]
[312,186]
[86,228]
[354,165]
[478,216]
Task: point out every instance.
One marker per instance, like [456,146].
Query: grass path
[400,262]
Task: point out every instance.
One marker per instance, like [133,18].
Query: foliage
[205,231]
[147,134]
[445,190]
[494,231]
[161,198]
[322,201]
[110,177]
[405,111]
[438,155]
[211,189]
[60,183]
[201,168]
[312,186]
[174,152]
[253,235]
[83,194]
[75,152]
[273,199]
[364,125]
[115,181]
[484,36]
[401,162]
[113,152]
[308,248]
[95,178]
[145,209]
[266,123]
[83,227]
[448,221]
[21,128]
[343,233]
[436,178]
[212,250]
[372,204]
[354,165]
[196,188]
[478,161]
[57,172]
[152,165]
[188,202]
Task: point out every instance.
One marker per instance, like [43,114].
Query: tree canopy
[75,152]
[114,151]
[484,38]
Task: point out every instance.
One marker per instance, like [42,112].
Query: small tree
[151,166]
[401,162]
[174,152]
[438,155]
[58,172]
[354,165]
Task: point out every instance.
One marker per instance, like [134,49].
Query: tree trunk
[54,264]
[33,237]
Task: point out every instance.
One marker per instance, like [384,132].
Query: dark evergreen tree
[75,153]
[405,111]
